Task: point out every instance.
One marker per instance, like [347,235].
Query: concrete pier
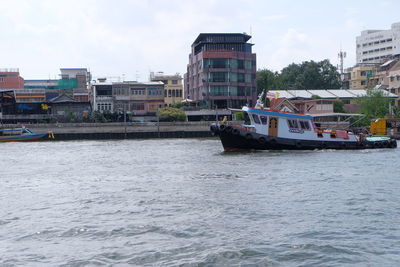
[129,130]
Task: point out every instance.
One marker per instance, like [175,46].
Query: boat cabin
[292,126]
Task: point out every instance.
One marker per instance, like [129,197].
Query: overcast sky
[129,38]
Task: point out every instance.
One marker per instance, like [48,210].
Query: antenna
[341,56]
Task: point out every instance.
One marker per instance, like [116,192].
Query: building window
[218,90]
[137,106]
[153,91]
[174,81]
[137,91]
[1,79]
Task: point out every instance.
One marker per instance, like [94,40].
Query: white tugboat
[277,130]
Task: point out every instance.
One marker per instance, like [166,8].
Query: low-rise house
[64,105]
[139,98]
[173,87]
[103,98]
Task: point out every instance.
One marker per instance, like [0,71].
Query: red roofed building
[10,79]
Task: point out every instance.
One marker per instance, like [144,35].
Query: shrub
[171,114]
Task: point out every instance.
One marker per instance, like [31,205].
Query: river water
[185,202]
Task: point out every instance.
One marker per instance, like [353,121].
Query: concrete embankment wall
[130,130]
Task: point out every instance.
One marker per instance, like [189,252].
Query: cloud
[292,46]
[274,17]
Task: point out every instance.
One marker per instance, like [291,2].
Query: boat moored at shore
[277,130]
[19,134]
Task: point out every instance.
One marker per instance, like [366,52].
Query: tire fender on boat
[386,144]
[299,144]
[324,145]
[262,140]
[222,127]
[379,144]
[228,129]
[273,141]
[235,131]
[393,143]
[248,136]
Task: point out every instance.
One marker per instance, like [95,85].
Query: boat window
[293,124]
[256,119]
[263,120]
[304,125]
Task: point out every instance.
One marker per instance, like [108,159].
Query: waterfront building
[102,95]
[77,80]
[376,46]
[173,88]
[222,71]
[10,79]
[65,105]
[139,98]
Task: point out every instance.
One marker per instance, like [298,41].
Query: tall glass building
[222,71]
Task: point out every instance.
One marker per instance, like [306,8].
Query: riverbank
[120,130]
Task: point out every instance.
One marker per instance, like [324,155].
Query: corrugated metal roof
[301,93]
[322,93]
[342,93]
[357,92]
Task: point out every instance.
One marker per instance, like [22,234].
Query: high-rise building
[376,46]
[222,71]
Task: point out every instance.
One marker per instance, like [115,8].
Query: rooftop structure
[376,46]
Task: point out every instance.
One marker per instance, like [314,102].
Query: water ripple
[156,203]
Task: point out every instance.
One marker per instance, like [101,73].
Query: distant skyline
[131,38]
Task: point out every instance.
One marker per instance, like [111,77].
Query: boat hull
[21,138]
[234,139]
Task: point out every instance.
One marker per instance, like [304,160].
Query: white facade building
[376,46]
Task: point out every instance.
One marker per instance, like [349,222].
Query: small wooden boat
[19,134]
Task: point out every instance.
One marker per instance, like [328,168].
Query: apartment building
[376,46]
[361,74]
[221,71]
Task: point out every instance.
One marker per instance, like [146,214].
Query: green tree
[171,114]
[374,104]
[338,107]
[311,75]
[268,80]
